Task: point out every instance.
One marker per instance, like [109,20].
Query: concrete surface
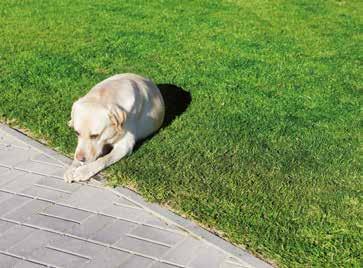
[46,222]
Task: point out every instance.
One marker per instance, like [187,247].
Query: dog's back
[138,96]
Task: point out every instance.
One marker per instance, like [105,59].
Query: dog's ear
[117,116]
[70,122]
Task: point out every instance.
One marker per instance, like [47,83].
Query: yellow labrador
[115,113]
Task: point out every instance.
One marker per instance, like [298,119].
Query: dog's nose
[80,157]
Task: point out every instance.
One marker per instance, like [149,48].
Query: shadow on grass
[176,101]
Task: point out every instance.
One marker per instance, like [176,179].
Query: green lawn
[267,153]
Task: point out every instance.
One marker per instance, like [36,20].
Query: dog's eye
[94,136]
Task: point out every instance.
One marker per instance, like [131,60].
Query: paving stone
[163,265]
[90,198]
[233,265]
[67,213]
[91,225]
[10,176]
[124,201]
[4,226]
[113,232]
[27,211]
[31,213]
[12,203]
[4,196]
[7,261]
[51,223]
[107,258]
[59,184]
[57,258]
[39,167]
[27,264]
[158,235]
[208,257]
[125,212]
[46,193]
[153,220]
[59,173]
[21,182]
[14,235]
[35,241]
[14,155]
[10,141]
[99,256]
[3,170]
[185,251]
[143,247]
[43,158]
[233,262]
[136,261]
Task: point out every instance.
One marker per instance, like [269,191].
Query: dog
[115,114]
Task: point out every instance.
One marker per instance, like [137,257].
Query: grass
[267,153]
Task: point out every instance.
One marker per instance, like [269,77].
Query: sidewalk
[46,222]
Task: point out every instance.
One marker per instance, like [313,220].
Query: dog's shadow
[176,102]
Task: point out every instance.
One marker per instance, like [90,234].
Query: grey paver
[14,235]
[88,197]
[4,170]
[184,251]
[54,183]
[27,264]
[126,202]
[13,156]
[7,261]
[67,213]
[136,261]
[157,235]
[46,222]
[4,196]
[54,257]
[98,255]
[4,226]
[9,176]
[51,223]
[233,265]
[45,159]
[12,204]
[125,212]
[37,191]
[113,232]
[142,246]
[208,257]
[21,182]
[27,211]
[35,241]
[39,167]
[91,225]
[163,265]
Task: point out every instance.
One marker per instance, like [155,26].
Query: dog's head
[97,127]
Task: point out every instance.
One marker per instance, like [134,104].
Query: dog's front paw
[82,173]
[68,175]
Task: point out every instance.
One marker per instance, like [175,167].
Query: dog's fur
[116,113]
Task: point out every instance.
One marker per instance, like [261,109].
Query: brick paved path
[46,222]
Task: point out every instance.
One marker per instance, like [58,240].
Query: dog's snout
[80,157]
